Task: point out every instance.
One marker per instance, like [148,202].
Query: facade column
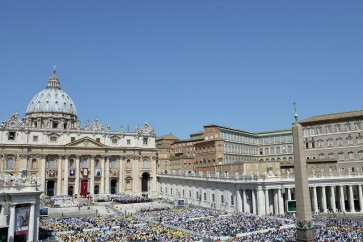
[332,198]
[121,176]
[288,194]
[360,197]
[239,201]
[281,202]
[59,176]
[107,181]
[43,173]
[78,172]
[351,199]
[267,202]
[261,202]
[102,189]
[244,201]
[136,177]
[31,223]
[276,202]
[323,197]
[341,200]
[315,201]
[66,173]
[2,216]
[254,204]
[92,185]
[11,230]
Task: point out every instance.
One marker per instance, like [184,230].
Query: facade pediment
[86,142]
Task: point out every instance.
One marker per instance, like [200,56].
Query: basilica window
[11,135]
[222,198]
[114,141]
[73,139]
[34,164]
[128,141]
[232,201]
[145,141]
[10,163]
[113,163]
[35,138]
[53,139]
[84,163]
[51,163]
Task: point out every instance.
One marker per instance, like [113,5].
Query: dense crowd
[59,202]
[126,199]
[191,224]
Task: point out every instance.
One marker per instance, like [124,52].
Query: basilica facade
[71,159]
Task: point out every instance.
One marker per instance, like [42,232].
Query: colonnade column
[120,176]
[261,201]
[351,198]
[59,176]
[107,182]
[66,172]
[12,221]
[2,216]
[239,201]
[244,201]
[323,198]
[360,197]
[76,185]
[341,199]
[31,222]
[281,202]
[276,202]
[267,202]
[315,200]
[102,190]
[136,177]
[288,194]
[92,185]
[43,173]
[332,198]
[253,194]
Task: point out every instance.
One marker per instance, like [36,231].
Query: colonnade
[336,198]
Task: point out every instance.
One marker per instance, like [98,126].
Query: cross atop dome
[53,81]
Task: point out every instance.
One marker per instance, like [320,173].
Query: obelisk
[304,225]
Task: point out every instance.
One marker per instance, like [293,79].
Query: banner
[22,220]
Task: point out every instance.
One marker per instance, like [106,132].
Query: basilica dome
[52,100]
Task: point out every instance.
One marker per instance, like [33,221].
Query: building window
[35,138]
[98,140]
[331,155]
[11,135]
[146,163]
[197,196]
[337,128]
[232,201]
[34,164]
[114,141]
[330,142]
[10,163]
[340,142]
[205,196]
[360,155]
[171,191]
[113,163]
[51,163]
[351,155]
[213,198]
[190,194]
[73,139]
[289,149]
[321,156]
[53,139]
[144,141]
[328,129]
[348,127]
[128,141]
[84,163]
[341,156]
[320,143]
[222,198]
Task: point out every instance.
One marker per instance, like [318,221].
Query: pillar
[31,223]
[332,198]
[102,188]
[107,181]
[276,203]
[135,176]
[239,201]
[2,216]
[288,194]
[253,194]
[360,197]
[66,173]
[43,174]
[267,202]
[78,171]
[351,199]
[244,200]
[261,202]
[121,176]
[281,202]
[315,201]
[341,199]
[92,185]
[59,176]
[12,221]
[323,198]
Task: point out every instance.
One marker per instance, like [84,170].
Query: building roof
[168,136]
[52,100]
[326,118]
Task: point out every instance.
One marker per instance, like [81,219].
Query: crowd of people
[59,202]
[126,199]
[193,224]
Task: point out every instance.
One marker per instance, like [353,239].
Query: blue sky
[179,65]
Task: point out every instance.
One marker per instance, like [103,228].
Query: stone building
[72,160]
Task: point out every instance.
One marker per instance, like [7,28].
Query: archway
[70,191]
[145,182]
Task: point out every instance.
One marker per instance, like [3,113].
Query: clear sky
[179,65]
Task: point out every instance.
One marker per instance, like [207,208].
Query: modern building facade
[49,142]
